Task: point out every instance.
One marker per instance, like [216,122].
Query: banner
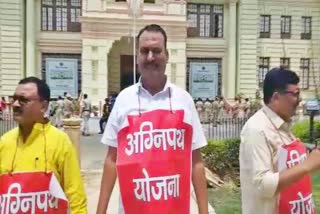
[62,76]
[203,79]
[154,163]
[297,198]
[32,193]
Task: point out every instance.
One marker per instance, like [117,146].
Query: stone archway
[120,62]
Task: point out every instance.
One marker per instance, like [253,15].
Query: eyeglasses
[293,93]
[22,100]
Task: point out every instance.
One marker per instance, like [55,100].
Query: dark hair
[85,96]
[65,94]
[43,88]
[153,28]
[277,80]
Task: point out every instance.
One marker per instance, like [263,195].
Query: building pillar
[30,39]
[95,68]
[231,76]
[176,67]
[72,129]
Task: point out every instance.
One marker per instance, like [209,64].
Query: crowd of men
[212,111]
[67,107]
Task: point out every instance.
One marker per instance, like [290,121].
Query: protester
[215,111]
[112,100]
[3,108]
[235,107]
[38,159]
[50,114]
[247,108]
[207,110]
[154,137]
[274,167]
[241,109]
[3,104]
[200,109]
[68,106]
[105,115]
[86,111]
[222,108]
[59,112]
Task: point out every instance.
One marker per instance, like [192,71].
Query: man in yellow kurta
[37,146]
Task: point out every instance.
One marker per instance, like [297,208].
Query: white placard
[62,76]
[203,79]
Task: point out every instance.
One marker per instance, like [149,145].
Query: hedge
[222,156]
[301,130]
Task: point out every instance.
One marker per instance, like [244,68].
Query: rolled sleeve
[270,184]
[256,160]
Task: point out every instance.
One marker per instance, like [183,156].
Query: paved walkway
[92,158]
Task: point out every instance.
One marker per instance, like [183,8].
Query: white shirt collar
[165,89]
[276,119]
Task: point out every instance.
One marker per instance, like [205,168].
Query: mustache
[17,110]
[151,64]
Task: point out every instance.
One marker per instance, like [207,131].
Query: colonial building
[216,47]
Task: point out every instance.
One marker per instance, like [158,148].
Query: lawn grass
[316,189]
[226,200]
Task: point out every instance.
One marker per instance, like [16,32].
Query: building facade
[216,47]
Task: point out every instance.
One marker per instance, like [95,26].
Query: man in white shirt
[274,166]
[154,137]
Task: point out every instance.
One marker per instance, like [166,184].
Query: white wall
[293,48]
[11,45]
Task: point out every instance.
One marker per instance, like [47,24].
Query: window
[61,15]
[306,27]
[205,20]
[149,1]
[285,27]
[265,26]
[263,69]
[121,0]
[305,70]
[285,63]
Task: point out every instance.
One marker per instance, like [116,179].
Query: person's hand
[313,161]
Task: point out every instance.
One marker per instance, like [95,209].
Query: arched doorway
[126,71]
[120,65]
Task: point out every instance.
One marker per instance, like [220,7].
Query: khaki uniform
[221,110]
[200,109]
[68,108]
[215,111]
[59,113]
[207,111]
[241,110]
